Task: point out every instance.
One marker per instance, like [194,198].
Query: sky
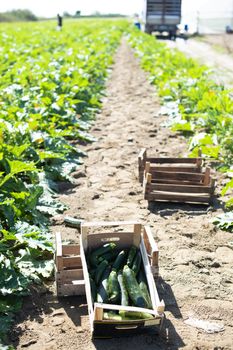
[49,8]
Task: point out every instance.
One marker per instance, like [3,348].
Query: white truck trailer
[162,16]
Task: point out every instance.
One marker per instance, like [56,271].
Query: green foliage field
[197,106]
[51,87]
[50,90]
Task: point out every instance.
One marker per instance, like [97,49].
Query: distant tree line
[17,15]
[95,14]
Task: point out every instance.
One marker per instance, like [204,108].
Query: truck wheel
[147,30]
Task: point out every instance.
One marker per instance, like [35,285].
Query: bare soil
[195,258]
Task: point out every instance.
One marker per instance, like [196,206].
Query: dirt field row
[195,259]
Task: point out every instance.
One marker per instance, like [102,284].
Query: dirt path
[195,261]
[222,63]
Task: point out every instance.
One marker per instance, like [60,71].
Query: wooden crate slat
[71,249]
[161,160]
[181,188]
[175,182]
[191,169]
[71,261]
[182,176]
[177,197]
[123,239]
[70,275]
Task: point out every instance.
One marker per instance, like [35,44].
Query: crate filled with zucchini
[120,260]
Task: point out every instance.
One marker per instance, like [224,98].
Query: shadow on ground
[169,208]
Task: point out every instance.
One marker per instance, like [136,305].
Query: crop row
[197,106]
[50,90]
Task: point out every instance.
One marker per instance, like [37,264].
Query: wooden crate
[95,234]
[187,165]
[68,269]
[175,179]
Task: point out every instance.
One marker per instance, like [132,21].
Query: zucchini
[131,255]
[143,286]
[113,288]
[137,263]
[132,315]
[100,251]
[133,289]
[102,293]
[100,270]
[93,289]
[73,222]
[110,315]
[145,293]
[119,262]
[109,256]
[124,293]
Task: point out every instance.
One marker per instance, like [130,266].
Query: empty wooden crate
[175,179]
[68,269]
[124,234]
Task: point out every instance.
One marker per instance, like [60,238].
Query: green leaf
[227,187]
[224,221]
[32,268]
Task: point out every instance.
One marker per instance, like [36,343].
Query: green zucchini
[131,255]
[124,293]
[135,315]
[110,315]
[100,251]
[119,262]
[93,289]
[143,286]
[100,270]
[145,293]
[102,292]
[133,289]
[113,288]
[109,256]
[73,222]
[137,263]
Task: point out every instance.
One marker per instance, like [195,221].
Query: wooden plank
[206,180]
[71,249]
[191,169]
[175,182]
[141,161]
[108,223]
[153,247]
[72,261]
[87,285]
[142,154]
[98,312]
[177,197]
[198,177]
[181,188]
[150,280]
[122,239]
[125,308]
[58,244]
[147,167]
[58,247]
[172,160]
[69,275]
[137,234]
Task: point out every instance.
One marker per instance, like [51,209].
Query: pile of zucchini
[118,277]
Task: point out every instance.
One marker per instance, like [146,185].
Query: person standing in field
[59,22]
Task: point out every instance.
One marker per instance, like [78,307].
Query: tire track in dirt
[195,261]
